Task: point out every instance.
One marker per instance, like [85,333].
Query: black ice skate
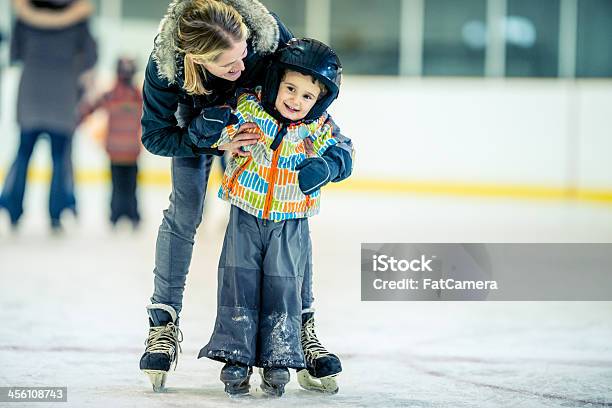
[322,367]
[162,347]
[236,377]
[273,380]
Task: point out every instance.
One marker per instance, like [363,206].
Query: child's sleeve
[326,164]
[338,153]
[243,111]
[323,137]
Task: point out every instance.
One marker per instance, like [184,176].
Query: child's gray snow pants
[259,306]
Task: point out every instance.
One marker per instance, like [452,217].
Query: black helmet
[309,57]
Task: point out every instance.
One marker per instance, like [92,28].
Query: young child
[123,104]
[267,243]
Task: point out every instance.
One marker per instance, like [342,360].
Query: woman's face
[228,64]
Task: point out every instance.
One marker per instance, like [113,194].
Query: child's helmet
[310,57]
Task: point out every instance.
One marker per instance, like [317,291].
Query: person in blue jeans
[204,51]
[54,58]
[61,194]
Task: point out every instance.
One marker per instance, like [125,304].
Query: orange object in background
[96,126]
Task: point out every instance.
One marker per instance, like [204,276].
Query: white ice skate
[326,385]
[322,367]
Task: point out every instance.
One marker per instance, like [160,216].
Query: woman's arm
[78,11]
[161,134]
[218,128]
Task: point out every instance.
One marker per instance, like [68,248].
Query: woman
[205,50]
[52,40]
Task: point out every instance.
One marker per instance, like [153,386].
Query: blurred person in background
[205,49]
[51,39]
[123,105]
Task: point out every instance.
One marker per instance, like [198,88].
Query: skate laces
[312,347]
[165,339]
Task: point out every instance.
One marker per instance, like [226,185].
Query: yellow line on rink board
[365,185]
[474,190]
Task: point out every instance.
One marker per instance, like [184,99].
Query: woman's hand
[245,136]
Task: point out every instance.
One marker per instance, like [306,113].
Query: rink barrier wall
[160,178]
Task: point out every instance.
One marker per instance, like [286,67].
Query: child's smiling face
[297,94]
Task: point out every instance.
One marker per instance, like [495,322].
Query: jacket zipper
[272,181]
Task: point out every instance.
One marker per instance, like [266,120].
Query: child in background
[273,190]
[123,104]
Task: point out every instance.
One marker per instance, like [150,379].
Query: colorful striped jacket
[265,184]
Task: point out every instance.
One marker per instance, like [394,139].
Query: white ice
[73,310]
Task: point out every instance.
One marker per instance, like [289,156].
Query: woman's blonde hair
[206,28]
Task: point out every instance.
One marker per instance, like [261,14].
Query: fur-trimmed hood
[262,25]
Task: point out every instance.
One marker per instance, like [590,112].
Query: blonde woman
[204,51]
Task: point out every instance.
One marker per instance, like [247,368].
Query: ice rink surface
[74,310]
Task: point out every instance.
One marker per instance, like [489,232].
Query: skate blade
[157,378]
[327,385]
[239,396]
[273,390]
[237,390]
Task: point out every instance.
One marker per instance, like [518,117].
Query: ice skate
[322,367]
[236,377]
[273,380]
[162,346]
